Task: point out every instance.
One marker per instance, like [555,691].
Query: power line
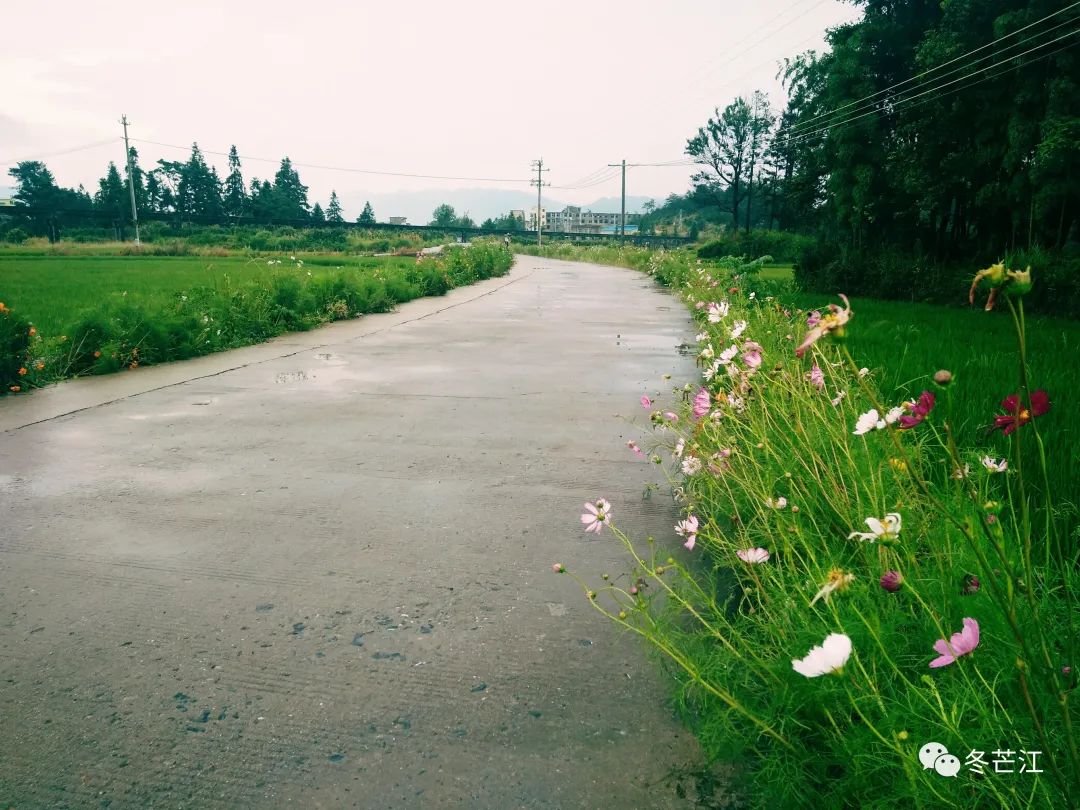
[84,147]
[598,181]
[950,62]
[587,178]
[344,168]
[907,100]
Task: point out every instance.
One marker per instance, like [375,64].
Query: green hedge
[780,245]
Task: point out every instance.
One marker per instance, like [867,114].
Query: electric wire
[907,101]
[82,148]
[953,61]
[344,168]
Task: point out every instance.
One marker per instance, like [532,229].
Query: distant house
[399,220]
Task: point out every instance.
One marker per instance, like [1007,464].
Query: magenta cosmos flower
[646,403]
[596,515]
[702,401]
[919,411]
[960,644]
[1038,404]
[833,321]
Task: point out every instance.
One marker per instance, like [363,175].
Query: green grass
[776,272]
[905,343]
[53,292]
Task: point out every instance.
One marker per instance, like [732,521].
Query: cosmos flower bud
[943,377]
[891,581]
[558,568]
[970,584]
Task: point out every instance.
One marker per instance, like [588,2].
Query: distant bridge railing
[68,218]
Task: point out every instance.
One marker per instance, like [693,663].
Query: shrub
[14,345]
[781,245]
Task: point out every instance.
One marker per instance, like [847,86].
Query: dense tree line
[911,131]
[183,191]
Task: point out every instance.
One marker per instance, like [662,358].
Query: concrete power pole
[539,183]
[622,227]
[131,180]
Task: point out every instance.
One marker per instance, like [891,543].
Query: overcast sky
[470,89]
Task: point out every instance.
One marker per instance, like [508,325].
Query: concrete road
[317,572]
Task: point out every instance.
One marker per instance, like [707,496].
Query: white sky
[475,89]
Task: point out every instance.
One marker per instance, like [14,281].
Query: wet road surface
[317,572]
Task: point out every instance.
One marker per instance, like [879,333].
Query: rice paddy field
[55,291]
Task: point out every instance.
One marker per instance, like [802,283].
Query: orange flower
[97,354]
[16,389]
[33,331]
[134,364]
[22,371]
[39,365]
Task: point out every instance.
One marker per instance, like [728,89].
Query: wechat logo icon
[935,755]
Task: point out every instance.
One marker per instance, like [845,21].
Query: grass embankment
[64,316]
[833,557]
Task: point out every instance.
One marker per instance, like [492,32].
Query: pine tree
[137,179]
[290,195]
[317,215]
[367,216]
[111,199]
[333,210]
[235,201]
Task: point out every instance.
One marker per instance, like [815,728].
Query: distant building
[573,219]
[399,220]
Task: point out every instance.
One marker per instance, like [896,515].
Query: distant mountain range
[478,203]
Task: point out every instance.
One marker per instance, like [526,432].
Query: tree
[112,198]
[488,225]
[317,215]
[235,199]
[289,200]
[722,146]
[367,216]
[36,188]
[761,123]
[333,210]
[444,216]
[135,174]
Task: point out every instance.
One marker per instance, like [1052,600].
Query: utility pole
[539,183]
[622,228]
[131,180]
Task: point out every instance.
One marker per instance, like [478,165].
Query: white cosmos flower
[702,336]
[691,465]
[707,353]
[871,420]
[712,370]
[738,329]
[679,447]
[754,556]
[995,466]
[883,530]
[894,414]
[776,503]
[728,354]
[960,473]
[838,398]
[831,656]
[863,372]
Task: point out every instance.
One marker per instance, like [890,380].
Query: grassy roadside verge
[63,317]
[855,587]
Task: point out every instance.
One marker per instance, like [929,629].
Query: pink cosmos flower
[751,354]
[753,556]
[637,450]
[816,377]
[702,402]
[834,321]
[813,319]
[672,416]
[596,515]
[960,644]
[919,411]
[688,528]
[646,403]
